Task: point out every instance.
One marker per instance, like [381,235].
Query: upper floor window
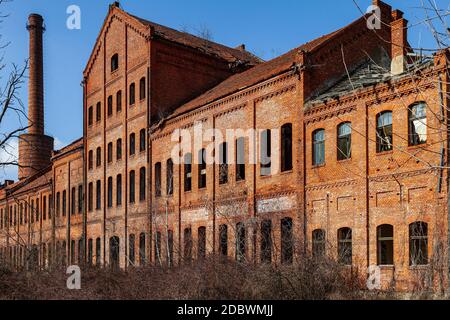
[417,124]
[99,157]
[98,199]
[286,147]
[110,106]
[119,101]
[110,192]
[110,152]
[132,94]
[223,163]
[240,159]
[158,179]
[98,111]
[202,169]
[384,131]
[90,115]
[90,196]
[80,198]
[142,89]
[90,160]
[187,172]
[132,186]
[266,153]
[119,190]
[114,62]
[344,141]
[132,144]
[169,177]
[142,184]
[319,147]
[142,142]
[119,149]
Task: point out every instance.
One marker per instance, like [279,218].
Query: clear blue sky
[268,28]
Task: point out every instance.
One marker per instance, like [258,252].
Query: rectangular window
[286,147]
[266,153]
[110,106]
[202,169]
[110,192]
[318,147]
[91,197]
[80,198]
[119,190]
[201,243]
[188,172]
[98,204]
[132,186]
[119,101]
[240,159]
[64,203]
[169,177]
[142,184]
[223,163]
[90,116]
[98,112]
[158,179]
[72,202]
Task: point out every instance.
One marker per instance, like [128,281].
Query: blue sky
[268,28]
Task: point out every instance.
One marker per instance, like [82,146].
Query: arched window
[266,153]
[110,106]
[132,186]
[344,141]
[266,241]
[223,240]
[98,112]
[384,131]
[223,163]
[142,89]
[132,94]
[385,245]
[169,177]
[131,247]
[72,202]
[318,147]
[110,152]
[187,172]
[90,196]
[418,243]
[114,62]
[241,242]
[142,249]
[99,157]
[345,246]
[119,101]
[158,179]
[80,198]
[99,195]
[91,160]
[119,149]
[142,140]
[132,144]
[64,204]
[417,115]
[202,169]
[201,252]
[119,190]
[110,192]
[240,159]
[142,184]
[90,116]
[318,243]
[114,250]
[286,147]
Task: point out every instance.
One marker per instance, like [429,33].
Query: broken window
[319,147]
[158,179]
[287,241]
[169,177]
[417,124]
[187,172]
[286,147]
[240,242]
[240,159]
[385,245]
[202,169]
[345,246]
[114,250]
[266,241]
[158,253]
[223,240]
[223,163]
[344,141]
[318,243]
[418,243]
[201,243]
[384,131]
[266,153]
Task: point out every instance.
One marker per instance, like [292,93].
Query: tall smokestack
[35,148]
[36,79]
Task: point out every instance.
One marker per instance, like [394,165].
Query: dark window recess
[187,172]
[344,141]
[286,147]
[266,153]
[158,179]
[240,159]
[202,169]
[223,163]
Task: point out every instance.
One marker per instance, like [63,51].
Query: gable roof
[230,55]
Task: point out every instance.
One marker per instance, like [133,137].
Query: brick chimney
[399,42]
[35,148]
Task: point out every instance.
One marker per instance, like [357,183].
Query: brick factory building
[351,140]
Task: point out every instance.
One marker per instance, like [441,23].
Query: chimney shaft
[399,35]
[36,76]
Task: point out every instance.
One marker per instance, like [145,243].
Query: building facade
[337,147]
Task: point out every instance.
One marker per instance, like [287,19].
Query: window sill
[317,166]
[419,146]
[386,267]
[287,172]
[383,153]
[242,181]
[344,160]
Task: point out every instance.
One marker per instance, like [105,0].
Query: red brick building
[350,138]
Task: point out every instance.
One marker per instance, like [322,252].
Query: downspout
[84,197]
[366,111]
